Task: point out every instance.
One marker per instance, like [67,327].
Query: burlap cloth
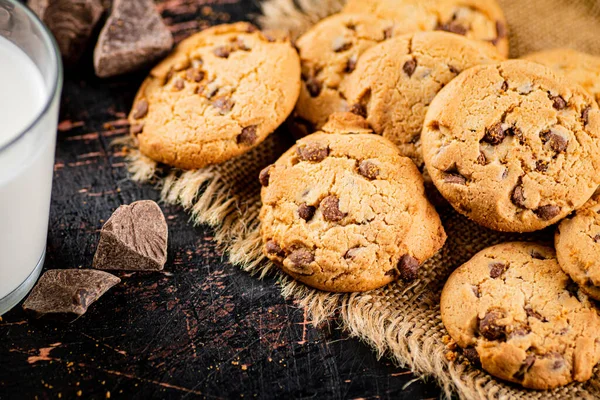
[397,321]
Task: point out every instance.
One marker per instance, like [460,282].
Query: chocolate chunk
[306,212]
[541,166]
[300,261]
[222,51]
[476,291]
[340,44]
[482,159]
[368,169]
[179,85]
[314,87]
[272,248]
[556,141]
[134,36]
[409,67]
[455,178]
[559,360]
[71,22]
[194,75]
[585,115]
[471,355]
[408,267]
[453,27]
[248,136]
[500,29]
[505,86]
[350,65]
[330,207]
[359,109]
[265,175]
[558,102]
[494,134]
[351,26]
[141,109]
[489,326]
[547,212]
[312,151]
[525,367]
[497,269]
[136,129]
[133,239]
[534,314]
[67,293]
[597,238]
[518,196]
[225,105]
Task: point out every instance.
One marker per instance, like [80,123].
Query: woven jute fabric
[400,322]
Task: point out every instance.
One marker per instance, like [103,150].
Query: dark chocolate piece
[133,239]
[71,22]
[67,293]
[133,37]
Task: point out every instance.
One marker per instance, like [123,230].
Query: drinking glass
[27,160]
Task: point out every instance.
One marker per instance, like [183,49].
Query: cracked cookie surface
[329,52]
[407,72]
[346,212]
[476,19]
[512,309]
[581,68]
[577,243]
[513,146]
[219,94]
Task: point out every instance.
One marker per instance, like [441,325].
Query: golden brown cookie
[395,81]
[514,310]
[476,19]
[346,213]
[329,52]
[219,94]
[513,146]
[577,242]
[581,68]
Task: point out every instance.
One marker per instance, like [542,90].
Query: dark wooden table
[202,328]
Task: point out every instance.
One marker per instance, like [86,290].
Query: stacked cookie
[387,97]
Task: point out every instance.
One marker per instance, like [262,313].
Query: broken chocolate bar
[134,239]
[67,293]
[134,36]
[71,22]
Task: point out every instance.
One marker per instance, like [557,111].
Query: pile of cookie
[390,97]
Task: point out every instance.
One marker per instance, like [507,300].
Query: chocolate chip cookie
[218,95]
[346,213]
[476,19]
[513,146]
[329,52]
[581,68]
[512,309]
[395,81]
[577,242]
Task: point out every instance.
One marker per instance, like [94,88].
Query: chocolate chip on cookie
[408,267]
[274,249]
[306,212]
[312,151]
[248,136]
[330,207]
[141,109]
[368,169]
[265,175]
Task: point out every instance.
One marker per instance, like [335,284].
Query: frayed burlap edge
[402,323]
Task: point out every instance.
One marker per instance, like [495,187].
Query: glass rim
[50,43]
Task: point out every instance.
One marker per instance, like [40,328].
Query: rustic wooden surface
[202,328]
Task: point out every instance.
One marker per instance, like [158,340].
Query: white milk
[25,167]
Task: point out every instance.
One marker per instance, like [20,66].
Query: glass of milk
[30,85]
